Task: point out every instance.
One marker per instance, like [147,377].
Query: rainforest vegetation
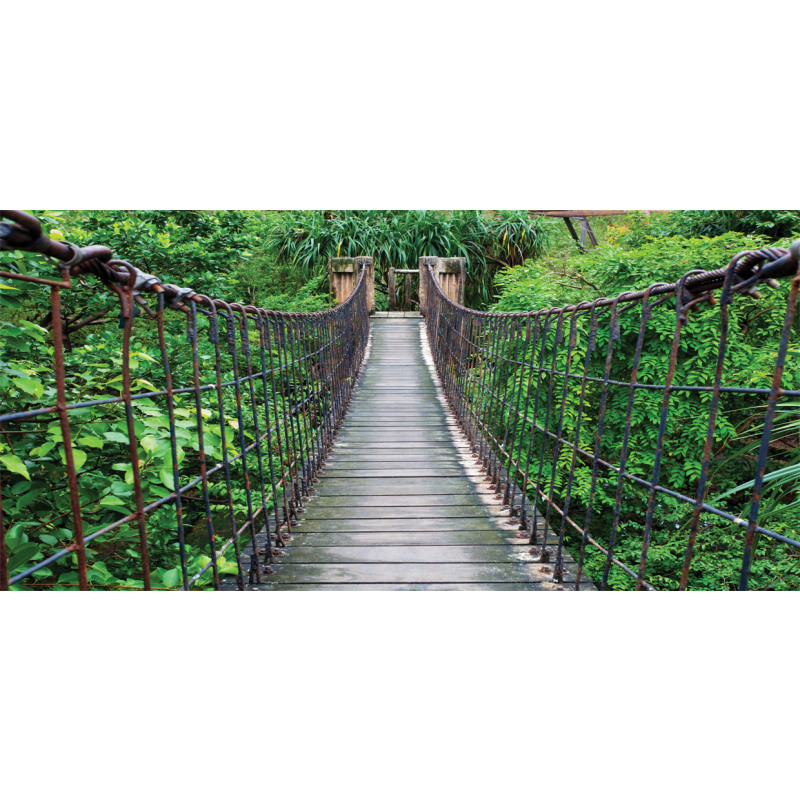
[278,260]
[636,251]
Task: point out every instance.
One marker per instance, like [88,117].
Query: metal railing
[553,404]
[249,404]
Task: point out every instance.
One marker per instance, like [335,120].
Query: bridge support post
[424,263]
[451,274]
[407,303]
[391,286]
[343,275]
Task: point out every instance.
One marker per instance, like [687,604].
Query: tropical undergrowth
[638,251]
[215,253]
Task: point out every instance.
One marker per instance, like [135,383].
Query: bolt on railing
[554,407]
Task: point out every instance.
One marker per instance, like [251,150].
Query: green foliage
[217,253]
[632,258]
[637,228]
[488,240]
[614,268]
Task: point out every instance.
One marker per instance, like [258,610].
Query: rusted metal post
[343,276]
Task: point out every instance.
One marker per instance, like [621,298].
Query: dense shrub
[216,253]
[635,259]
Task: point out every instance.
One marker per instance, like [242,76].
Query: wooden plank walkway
[398,505]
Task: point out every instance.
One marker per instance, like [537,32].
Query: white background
[412,105]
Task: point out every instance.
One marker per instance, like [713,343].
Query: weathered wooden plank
[403,554]
[366,463]
[400,425]
[411,573]
[393,436]
[363,446]
[417,538]
[388,501]
[401,587]
[395,454]
[398,518]
[431,471]
[367,486]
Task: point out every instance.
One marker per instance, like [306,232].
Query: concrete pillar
[343,274]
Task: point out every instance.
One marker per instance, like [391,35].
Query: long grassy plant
[489,240]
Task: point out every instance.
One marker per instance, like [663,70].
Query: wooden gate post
[407,292]
[424,263]
[452,275]
[391,286]
[343,274]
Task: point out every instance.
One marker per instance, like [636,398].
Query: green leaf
[33,330]
[14,464]
[16,534]
[225,567]
[149,443]
[91,441]
[78,457]
[30,385]
[46,448]
[171,577]
[112,501]
[167,478]
[22,555]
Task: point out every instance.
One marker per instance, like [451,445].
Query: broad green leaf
[149,444]
[14,464]
[167,479]
[46,448]
[16,534]
[171,577]
[78,457]
[22,555]
[112,501]
[30,385]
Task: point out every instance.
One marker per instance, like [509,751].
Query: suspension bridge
[352,449]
